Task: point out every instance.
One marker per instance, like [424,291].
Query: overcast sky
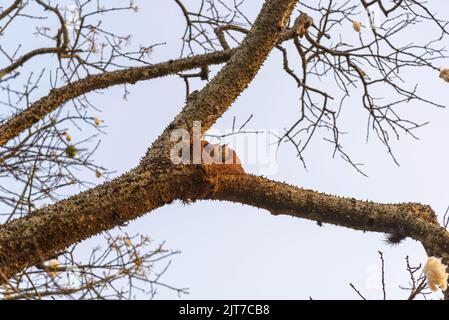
[236,251]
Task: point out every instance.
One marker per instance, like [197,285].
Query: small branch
[384,289]
[357,291]
[10,9]
[59,49]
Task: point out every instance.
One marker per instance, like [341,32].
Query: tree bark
[412,220]
[59,96]
[155,182]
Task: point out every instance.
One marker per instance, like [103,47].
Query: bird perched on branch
[220,159]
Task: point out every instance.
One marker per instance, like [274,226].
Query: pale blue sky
[236,251]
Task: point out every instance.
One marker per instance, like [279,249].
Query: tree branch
[409,219]
[10,9]
[57,97]
[156,181]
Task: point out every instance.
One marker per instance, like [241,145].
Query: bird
[220,158]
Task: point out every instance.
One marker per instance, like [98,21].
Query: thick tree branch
[57,97]
[30,240]
[408,219]
[213,101]
[39,109]
[155,182]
